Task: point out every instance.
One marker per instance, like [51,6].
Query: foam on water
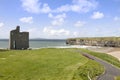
[70,46]
[73,46]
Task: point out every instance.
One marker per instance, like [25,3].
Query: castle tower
[19,40]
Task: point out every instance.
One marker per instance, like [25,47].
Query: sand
[109,50]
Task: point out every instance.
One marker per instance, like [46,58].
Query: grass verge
[117,78]
[88,71]
[104,56]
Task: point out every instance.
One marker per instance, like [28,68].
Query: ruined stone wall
[19,40]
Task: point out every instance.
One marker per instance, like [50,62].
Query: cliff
[95,41]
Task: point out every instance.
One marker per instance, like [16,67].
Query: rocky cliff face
[101,41]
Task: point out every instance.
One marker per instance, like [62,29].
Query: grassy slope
[91,68]
[117,78]
[104,56]
[45,64]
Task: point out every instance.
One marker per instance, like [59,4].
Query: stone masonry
[19,40]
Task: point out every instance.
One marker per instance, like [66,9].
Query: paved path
[110,70]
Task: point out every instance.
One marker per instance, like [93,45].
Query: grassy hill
[46,64]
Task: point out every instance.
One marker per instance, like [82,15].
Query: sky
[61,19]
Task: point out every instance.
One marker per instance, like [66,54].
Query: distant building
[19,40]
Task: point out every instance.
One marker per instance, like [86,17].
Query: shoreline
[66,46]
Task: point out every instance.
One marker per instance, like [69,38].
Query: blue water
[37,43]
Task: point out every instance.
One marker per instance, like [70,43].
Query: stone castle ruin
[19,40]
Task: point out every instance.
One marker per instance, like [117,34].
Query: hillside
[46,64]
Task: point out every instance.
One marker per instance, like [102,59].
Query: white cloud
[117,18]
[1,24]
[32,30]
[31,5]
[58,19]
[57,16]
[63,8]
[97,30]
[84,5]
[97,15]
[75,34]
[57,22]
[54,32]
[45,8]
[50,15]
[79,23]
[27,19]
[34,6]
[78,6]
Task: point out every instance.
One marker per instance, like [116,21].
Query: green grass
[91,68]
[104,56]
[117,78]
[46,64]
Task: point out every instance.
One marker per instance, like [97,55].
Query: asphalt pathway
[110,70]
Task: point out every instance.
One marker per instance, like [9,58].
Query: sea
[41,43]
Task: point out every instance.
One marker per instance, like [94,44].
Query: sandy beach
[109,50]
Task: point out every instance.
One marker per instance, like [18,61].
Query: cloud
[79,23]
[34,32]
[31,5]
[27,20]
[1,24]
[78,6]
[57,16]
[34,6]
[97,30]
[58,19]
[116,18]
[75,34]
[45,9]
[54,32]
[97,15]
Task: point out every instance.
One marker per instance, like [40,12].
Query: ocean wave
[70,46]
